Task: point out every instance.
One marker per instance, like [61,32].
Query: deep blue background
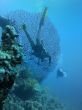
[67,18]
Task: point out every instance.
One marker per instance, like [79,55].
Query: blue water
[67,18]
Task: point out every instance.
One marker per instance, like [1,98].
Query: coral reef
[48,35]
[27,94]
[18,88]
[10,57]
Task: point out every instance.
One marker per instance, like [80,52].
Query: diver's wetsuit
[39,51]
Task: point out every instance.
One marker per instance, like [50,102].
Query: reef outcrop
[10,57]
[27,94]
[18,88]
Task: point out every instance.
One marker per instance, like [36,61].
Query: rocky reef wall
[19,90]
[10,58]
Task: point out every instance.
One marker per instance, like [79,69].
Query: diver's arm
[28,36]
[24,29]
[42,21]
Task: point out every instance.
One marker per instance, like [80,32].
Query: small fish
[61,73]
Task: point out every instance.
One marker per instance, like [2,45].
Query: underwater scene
[40,55]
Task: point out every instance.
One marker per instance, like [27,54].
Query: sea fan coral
[48,34]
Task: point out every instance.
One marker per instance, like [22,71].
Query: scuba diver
[38,48]
[61,73]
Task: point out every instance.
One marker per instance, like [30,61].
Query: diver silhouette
[38,49]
